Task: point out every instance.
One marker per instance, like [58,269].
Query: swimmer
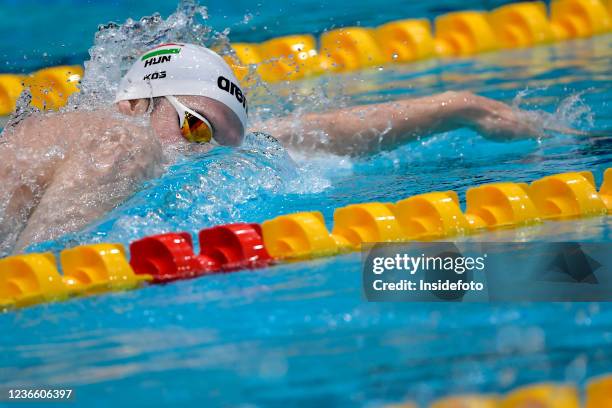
[90,161]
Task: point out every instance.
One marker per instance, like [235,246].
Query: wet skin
[60,171]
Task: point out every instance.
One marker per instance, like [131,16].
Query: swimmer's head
[199,79]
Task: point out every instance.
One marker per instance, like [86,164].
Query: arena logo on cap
[232,88]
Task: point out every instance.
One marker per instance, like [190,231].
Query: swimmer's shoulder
[64,127]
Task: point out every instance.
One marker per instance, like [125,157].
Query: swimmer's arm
[87,185]
[370,128]
[27,164]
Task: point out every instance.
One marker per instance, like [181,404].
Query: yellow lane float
[351,48]
[464,33]
[431,215]
[578,18]
[369,222]
[405,40]
[521,24]
[10,89]
[599,392]
[270,66]
[98,268]
[29,279]
[567,195]
[500,205]
[542,396]
[298,236]
[605,191]
[247,53]
[298,53]
[244,55]
[51,87]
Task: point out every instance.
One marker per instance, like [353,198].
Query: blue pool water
[302,331]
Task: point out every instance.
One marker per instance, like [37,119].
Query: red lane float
[234,246]
[169,257]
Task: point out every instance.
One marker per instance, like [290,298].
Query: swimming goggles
[194,127]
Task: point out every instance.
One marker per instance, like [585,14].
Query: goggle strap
[178,108]
[181,109]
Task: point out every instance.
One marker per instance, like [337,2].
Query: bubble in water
[247,18]
[116,47]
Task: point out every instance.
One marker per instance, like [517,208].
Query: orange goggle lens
[195,129]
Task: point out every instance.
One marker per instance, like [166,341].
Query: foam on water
[571,112]
[116,46]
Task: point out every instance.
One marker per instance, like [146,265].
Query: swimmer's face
[227,127]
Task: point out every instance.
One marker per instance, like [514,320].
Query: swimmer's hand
[500,122]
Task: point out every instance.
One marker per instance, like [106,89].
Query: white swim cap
[183,69]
